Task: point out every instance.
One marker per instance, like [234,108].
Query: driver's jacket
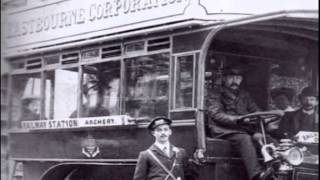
[223,105]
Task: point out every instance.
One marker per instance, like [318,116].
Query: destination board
[69,123]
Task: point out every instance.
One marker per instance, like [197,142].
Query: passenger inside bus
[282,98]
[305,118]
[31,108]
[25,100]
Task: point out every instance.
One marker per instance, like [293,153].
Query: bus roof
[60,23]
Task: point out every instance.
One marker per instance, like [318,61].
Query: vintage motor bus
[88,76]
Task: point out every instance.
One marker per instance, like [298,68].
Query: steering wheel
[266,116]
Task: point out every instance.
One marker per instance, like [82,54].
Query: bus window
[25,98]
[184,81]
[147,81]
[101,89]
[61,92]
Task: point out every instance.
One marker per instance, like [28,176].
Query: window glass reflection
[146,93]
[61,93]
[100,90]
[25,102]
[184,81]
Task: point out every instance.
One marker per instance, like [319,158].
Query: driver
[225,108]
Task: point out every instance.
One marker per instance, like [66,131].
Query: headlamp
[293,156]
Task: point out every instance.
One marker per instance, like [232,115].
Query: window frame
[124,80]
[11,76]
[80,94]
[96,60]
[175,75]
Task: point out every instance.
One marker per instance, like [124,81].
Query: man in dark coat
[304,119]
[225,108]
[173,158]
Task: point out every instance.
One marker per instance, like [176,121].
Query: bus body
[81,92]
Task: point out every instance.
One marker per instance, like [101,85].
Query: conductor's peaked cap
[157,121]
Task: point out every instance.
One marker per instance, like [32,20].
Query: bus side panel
[112,143]
[230,171]
[36,170]
[222,171]
[210,171]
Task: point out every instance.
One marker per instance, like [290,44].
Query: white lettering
[135,5]
[39,25]
[94,12]
[92,16]
[126,6]
[46,23]
[118,7]
[99,11]
[164,2]
[81,16]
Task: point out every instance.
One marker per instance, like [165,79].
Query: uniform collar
[172,150]
[161,146]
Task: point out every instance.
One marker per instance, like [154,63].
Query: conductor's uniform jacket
[148,168]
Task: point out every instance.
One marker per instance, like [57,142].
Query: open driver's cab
[276,51]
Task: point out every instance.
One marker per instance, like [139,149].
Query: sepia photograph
[159,90]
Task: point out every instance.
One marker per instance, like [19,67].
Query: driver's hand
[258,137]
[246,120]
[279,112]
[236,118]
[240,119]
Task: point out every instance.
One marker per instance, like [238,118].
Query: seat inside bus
[276,53]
